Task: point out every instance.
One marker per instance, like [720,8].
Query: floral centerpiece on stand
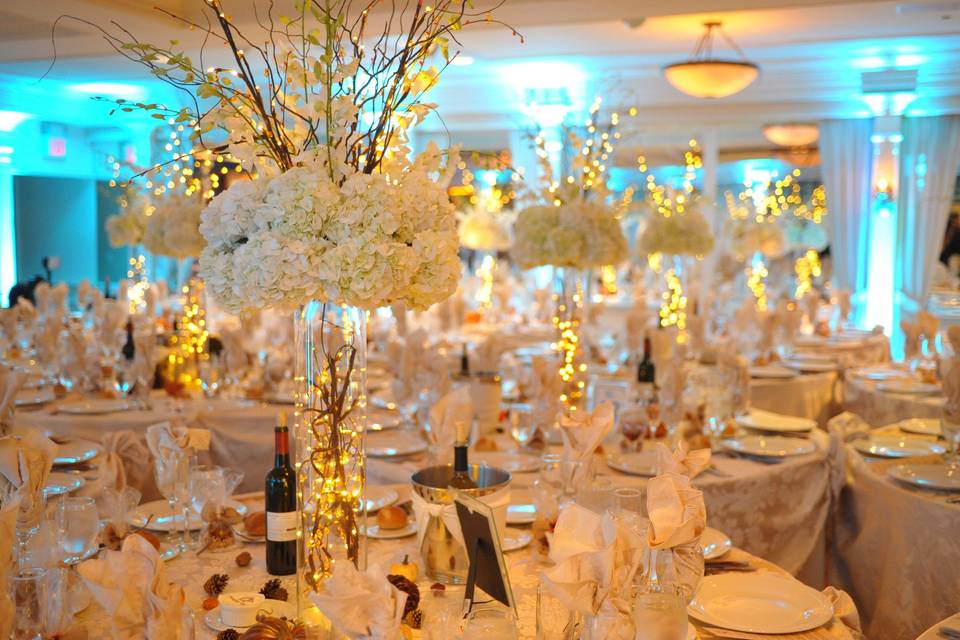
[573,227]
[127,228]
[173,229]
[341,219]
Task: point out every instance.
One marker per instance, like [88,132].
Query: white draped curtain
[846,161]
[929,161]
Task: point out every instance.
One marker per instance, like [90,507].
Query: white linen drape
[929,159]
[846,158]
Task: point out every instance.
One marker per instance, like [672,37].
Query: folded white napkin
[132,587]
[121,464]
[843,304]
[452,408]
[682,461]
[25,463]
[166,441]
[811,304]
[911,339]
[8,323]
[596,558]
[11,380]
[115,506]
[789,319]
[486,355]
[58,301]
[677,520]
[41,298]
[46,340]
[929,325]
[83,294]
[583,432]
[361,604]
[769,325]
[123,291]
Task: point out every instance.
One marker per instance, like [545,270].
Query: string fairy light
[807,267]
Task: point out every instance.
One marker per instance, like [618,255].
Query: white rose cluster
[128,227]
[580,234]
[173,229]
[368,242]
[684,233]
[485,230]
[748,237]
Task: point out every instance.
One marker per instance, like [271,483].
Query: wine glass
[171,472]
[634,423]
[481,624]
[522,426]
[951,434]
[124,376]
[78,523]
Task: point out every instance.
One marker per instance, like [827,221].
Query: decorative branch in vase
[339,218]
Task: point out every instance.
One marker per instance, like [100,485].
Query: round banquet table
[851,348]
[879,408]
[898,550]
[776,511]
[931,633]
[809,395]
[190,571]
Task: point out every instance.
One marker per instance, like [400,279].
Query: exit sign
[57,147]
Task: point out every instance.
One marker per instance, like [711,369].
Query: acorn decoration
[268,628]
[216,583]
[228,634]
[273,590]
[243,559]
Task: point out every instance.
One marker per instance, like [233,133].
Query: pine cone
[228,634]
[414,619]
[273,590]
[408,587]
[216,583]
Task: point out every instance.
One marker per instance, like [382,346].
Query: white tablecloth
[898,552]
[813,395]
[867,349]
[879,408]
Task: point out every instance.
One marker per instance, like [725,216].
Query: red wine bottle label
[281,527]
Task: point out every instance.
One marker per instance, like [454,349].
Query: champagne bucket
[444,556]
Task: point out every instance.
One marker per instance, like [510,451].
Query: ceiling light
[462,61]
[792,134]
[703,76]
[110,89]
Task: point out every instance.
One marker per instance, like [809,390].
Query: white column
[881,275]
[8,233]
[710,155]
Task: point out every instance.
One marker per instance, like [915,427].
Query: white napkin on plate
[164,438]
[677,520]
[682,461]
[929,325]
[361,604]
[583,432]
[58,300]
[132,587]
[911,339]
[25,463]
[456,406]
[41,298]
[11,380]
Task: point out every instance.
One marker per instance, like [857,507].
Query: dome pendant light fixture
[703,76]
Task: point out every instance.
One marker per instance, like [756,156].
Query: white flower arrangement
[127,228]
[687,233]
[802,235]
[579,234]
[173,229]
[484,230]
[748,237]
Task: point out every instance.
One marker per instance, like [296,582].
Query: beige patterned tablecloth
[812,395]
[898,551]
[880,408]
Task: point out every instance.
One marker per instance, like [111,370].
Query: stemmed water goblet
[171,472]
[522,426]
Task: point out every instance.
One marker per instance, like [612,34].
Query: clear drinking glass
[557,476]
[483,624]
[951,434]
[171,473]
[27,592]
[555,621]
[124,376]
[522,426]
[629,499]
[78,523]
[660,613]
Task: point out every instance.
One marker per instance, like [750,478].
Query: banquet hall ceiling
[811,53]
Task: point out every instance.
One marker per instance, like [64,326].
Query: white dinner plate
[59,483]
[809,366]
[515,539]
[759,602]
[76,452]
[897,446]
[31,397]
[379,533]
[809,341]
[274,608]
[512,462]
[164,521]
[383,399]
[914,387]
[880,374]
[94,406]
[392,444]
[769,446]
[382,421]
[771,371]
[768,421]
[800,356]
[521,513]
[924,427]
[714,543]
[928,476]
[379,497]
[640,463]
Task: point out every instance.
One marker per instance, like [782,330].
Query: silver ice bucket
[444,557]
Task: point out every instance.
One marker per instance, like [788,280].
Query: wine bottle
[281,507]
[464,362]
[129,350]
[461,468]
[646,370]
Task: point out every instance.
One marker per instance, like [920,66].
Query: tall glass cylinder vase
[570,299]
[330,421]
